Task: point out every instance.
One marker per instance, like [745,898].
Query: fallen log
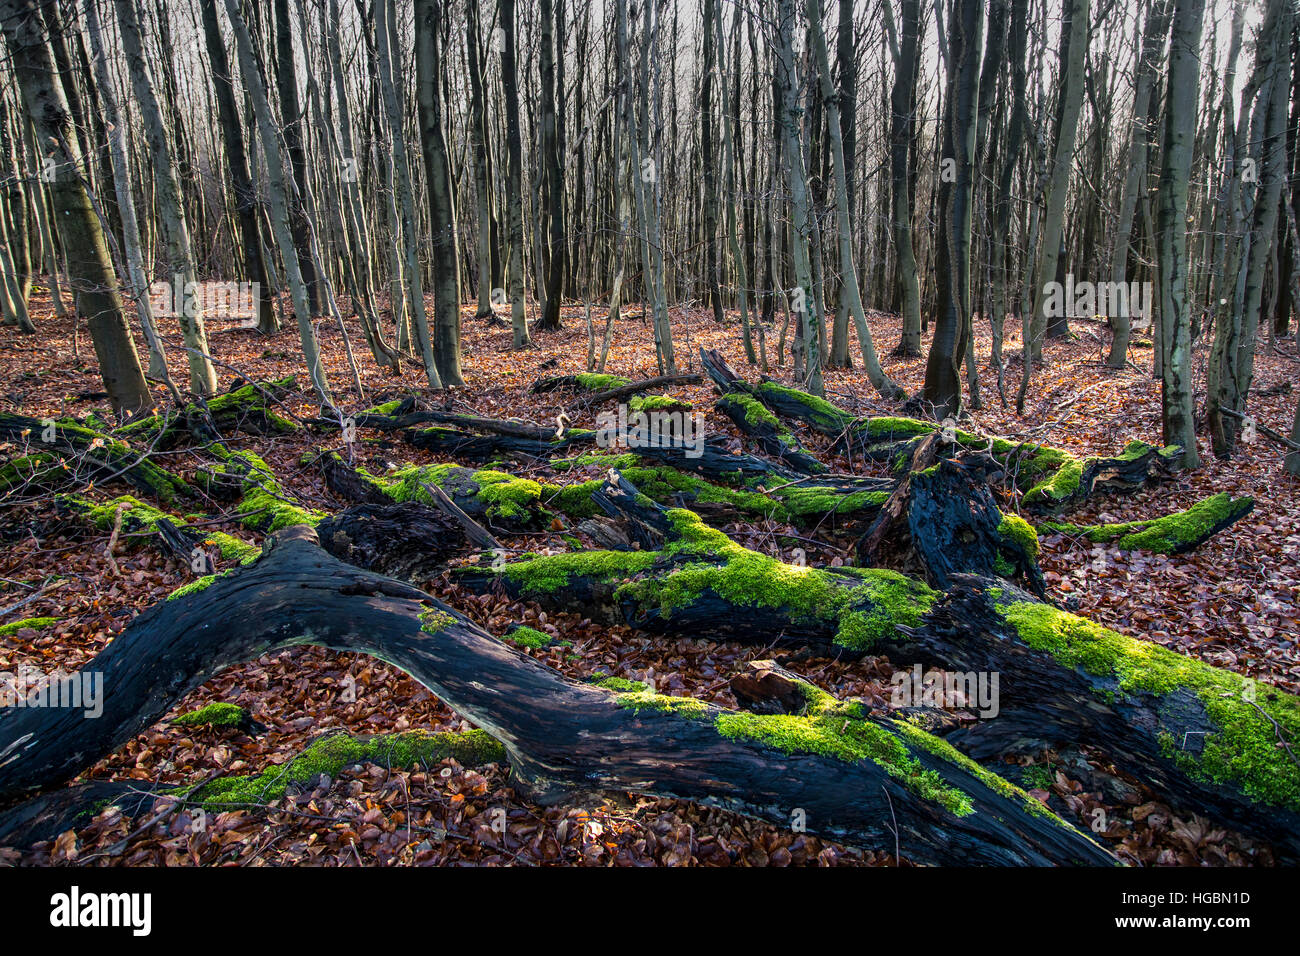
[1206,738]
[77,453]
[1175,533]
[853,775]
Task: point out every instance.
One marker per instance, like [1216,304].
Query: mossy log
[766,430]
[593,382]
[1175,533]
[703,584]
[249,408]
[472,446]
[943,520]
[1206,738]
[64,452]
[617,392]
[851,775]
[1050,478]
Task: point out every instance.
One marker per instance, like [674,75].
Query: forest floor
[1234,602]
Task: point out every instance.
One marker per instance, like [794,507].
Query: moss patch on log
[330,755]
[1245,751]
[1171,534]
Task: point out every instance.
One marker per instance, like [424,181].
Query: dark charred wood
[944,520]
[561,736]
[409,540]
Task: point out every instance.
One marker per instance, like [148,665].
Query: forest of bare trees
[788,165]
[358,277]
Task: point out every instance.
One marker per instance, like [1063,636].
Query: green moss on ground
[330,755]
[216,714]
[1244,752]
[529,637]
[264,506]
[35,623]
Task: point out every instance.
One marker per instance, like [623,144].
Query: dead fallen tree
[1208,739]
[48,454]
[1175,533]
[856,777]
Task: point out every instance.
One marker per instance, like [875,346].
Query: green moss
[1020,533]
[657,403]
[1243,751]
[1063,484]
[387,408]
[751,410]
[214,715]
[507,496]
[645,700]
[330,755]
[831,729]
[264,506]
[620,685]
[1171,534]
[194,587]
[862,612]
[819,413]
[434,619]
[886,427]
[35,623]
[595,382]
[529,637]
[546,574]
[809,502]
[999,785]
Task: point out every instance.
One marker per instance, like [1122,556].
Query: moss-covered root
[1217,726]
[1175,533]
[263,504]
[329,755]
[703,582]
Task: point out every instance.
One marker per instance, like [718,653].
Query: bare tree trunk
[437,170]
[1171,233]
[266,128]
[956,198]
[89,267]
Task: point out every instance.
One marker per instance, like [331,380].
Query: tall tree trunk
[848,268]
[167,193]
[1171,233]
[437,171]
[1074,51]
[956,198]
[804,298]
[1153,39]
[514,177]
[902,125]
[89,267]
[270,141]
[247,204]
